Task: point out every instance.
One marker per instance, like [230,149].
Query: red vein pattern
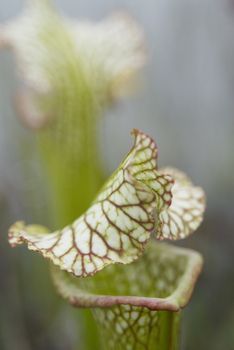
[118,224]
[186,211]
[128,327]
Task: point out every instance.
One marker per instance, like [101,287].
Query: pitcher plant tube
[138,201]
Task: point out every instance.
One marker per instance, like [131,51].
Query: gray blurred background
[187,104]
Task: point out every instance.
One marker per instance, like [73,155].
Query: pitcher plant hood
[136,201]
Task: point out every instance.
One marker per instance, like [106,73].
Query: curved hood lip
[177,300]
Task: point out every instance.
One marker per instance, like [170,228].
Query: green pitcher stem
[128,327]
[69,150]
[69,195]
